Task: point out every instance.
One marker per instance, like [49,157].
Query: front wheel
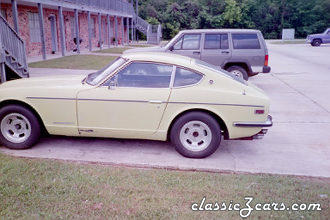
[196,135]
[19,127]
[239,72]
[316,43]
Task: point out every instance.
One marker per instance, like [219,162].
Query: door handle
[226,52]
[155,102]
[196,52]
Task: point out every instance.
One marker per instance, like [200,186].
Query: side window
[216,41]
[73,27]
[184,77]
[34,27]
[188,42]
[224,41]
[3,13]
[145,75]
[178,44]
[245,41]
[93,30]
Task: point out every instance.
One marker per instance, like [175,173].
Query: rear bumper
[267,123]
[266,69]
[259,69]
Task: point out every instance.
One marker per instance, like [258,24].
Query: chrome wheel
[237,73]
[16,128]
[195,135]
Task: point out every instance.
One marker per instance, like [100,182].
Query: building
[42,27]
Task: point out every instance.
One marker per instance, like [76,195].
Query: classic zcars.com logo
[246,210]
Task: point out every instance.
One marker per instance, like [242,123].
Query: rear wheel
[238,71]
[316,42]
[19,127]
[196,135]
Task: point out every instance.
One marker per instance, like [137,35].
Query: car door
[215,49]
[188,45]
[130,104]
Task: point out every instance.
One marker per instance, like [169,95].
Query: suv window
[184,77]
[188,42]
[216,41]
[245,41]
[144,75]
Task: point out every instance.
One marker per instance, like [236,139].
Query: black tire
[205,118]
[240,69]
[34,127]
[316,43]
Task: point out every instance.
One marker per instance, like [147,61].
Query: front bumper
[267,123]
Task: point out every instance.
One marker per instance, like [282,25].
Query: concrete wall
[34,49]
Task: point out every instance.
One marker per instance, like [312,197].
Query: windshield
[219,70]
[95,78]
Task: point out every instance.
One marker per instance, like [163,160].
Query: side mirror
[171,48]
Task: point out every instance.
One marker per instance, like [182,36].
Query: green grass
[36,188]
[298,41]
[142,45]
[120,50]
[84,62]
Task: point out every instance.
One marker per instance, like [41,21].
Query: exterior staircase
[13,64]
[153,32]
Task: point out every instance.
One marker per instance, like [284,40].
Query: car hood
[146,49]
[44,82]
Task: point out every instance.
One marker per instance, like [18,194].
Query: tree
[269,16]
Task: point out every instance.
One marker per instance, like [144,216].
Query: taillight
[259,111]
[266,60]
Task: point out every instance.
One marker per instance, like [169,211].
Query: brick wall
[34,49]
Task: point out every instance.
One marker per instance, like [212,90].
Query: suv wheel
[316,43]
[196,135]
[238,71]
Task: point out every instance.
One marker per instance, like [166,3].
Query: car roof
[159,57]
[220,30]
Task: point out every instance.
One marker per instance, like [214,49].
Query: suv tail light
[259,112]
[266,60]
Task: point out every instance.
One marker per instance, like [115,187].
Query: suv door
[188,45]
[215,49]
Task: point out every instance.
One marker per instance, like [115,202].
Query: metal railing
[11,44]
[142,25]
[115,5]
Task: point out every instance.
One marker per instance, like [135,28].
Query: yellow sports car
[143,96]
